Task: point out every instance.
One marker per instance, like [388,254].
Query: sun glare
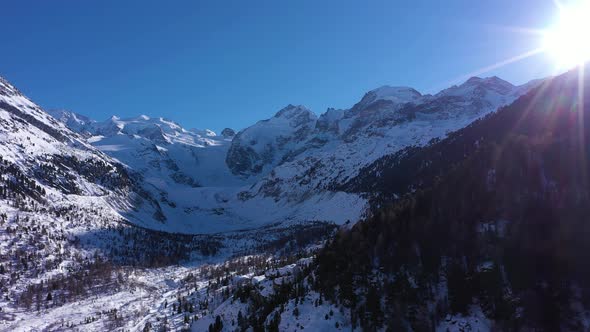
[568,42]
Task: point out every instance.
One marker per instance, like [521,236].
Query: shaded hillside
[420,167]
[497,223]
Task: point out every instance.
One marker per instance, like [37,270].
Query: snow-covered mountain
[69,214]
[262,146]
[73,191]
[186,171]
[286,168]
[159,148]
[62,164]
[385,121]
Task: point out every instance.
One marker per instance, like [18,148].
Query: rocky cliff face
[270,142]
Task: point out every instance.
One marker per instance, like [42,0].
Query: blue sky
[216,64]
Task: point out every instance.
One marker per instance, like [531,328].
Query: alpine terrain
[459,211]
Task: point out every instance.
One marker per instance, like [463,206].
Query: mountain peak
[8,89]
[477,85]
[204,132]
[474,80]
[395,94]
[291,111]
[228,133]
[494,80]
[388,90]
[72,120]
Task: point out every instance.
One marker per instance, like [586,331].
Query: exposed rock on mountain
[228,133]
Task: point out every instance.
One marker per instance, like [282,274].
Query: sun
[568,41]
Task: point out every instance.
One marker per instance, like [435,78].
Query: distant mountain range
[290,167]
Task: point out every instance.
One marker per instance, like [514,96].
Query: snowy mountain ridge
[385,121]
[284,168]
[63,163]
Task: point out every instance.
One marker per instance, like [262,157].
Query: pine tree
[274,323]
[242,323]
[458,288]
[147,327]
[373,304]
[217,326]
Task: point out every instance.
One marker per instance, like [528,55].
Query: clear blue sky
[216,64]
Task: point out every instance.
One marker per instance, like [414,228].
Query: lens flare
[568,41]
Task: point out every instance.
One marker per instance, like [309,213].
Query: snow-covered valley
[138,223]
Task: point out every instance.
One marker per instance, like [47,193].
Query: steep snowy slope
[61,162]
[67,247]
[61,199]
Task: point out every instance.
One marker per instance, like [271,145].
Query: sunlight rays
[558,4]
[581,129]
[564,41]
[540,91]
[496,65]
[517,29]
[505,62]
